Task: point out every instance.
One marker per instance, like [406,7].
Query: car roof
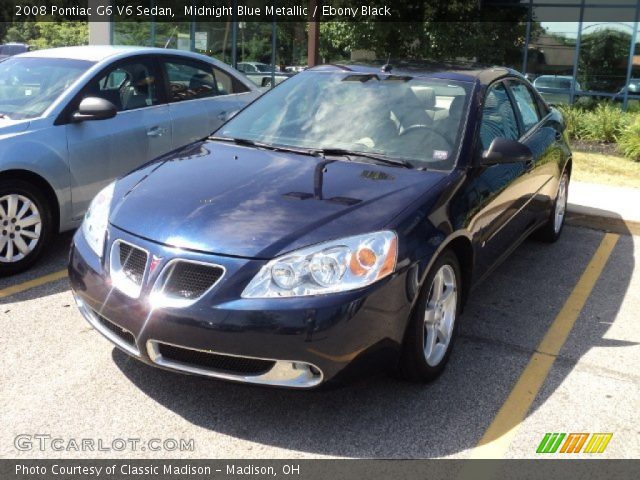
[97,53]
[93,53]
[562,77]
[456,71]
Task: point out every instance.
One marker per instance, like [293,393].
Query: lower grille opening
[214,361]
[124,335]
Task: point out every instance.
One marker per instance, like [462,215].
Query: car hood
[240,201]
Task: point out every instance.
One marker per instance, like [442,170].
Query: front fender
[41,150]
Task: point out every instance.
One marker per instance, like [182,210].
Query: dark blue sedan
[336,223]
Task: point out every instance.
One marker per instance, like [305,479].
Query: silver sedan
[73,119]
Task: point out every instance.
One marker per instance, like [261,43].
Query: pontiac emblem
[155,261]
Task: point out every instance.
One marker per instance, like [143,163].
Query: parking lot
[61,378]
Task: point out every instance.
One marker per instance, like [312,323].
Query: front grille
[215,361]
[189,281]
[125,335]
[132,262]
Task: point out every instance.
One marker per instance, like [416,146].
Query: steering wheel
[430,131]
[177,88]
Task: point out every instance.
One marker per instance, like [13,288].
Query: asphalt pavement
[64,386]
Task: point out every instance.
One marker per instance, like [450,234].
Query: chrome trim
[284,373]
[157,297]
[121,282]
[108,334]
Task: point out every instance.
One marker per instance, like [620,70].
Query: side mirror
[94,108]
[504,150]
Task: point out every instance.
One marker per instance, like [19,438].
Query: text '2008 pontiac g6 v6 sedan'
[337,223]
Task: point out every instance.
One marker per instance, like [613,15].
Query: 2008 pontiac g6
[335,224]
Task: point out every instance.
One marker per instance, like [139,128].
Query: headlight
[94,226]
[335,266]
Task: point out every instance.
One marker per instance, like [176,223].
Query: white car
[73,119]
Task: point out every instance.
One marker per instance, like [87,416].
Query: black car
[336,223]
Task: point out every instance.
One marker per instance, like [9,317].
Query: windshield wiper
[341,152]
[277,148]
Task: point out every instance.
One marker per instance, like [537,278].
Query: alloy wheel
[20,227]
[440,315]
[561,204]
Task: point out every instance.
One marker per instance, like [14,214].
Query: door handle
[156,132]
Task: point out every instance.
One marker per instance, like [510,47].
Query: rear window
[561,83]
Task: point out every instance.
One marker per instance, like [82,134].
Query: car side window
[526,104]
[498,117]
[128,86]
[190,80]
[227,84]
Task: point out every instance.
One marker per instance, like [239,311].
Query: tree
[442,30]
[48,34]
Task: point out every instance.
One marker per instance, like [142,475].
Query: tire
[22,238]
[424,356]
[551,230]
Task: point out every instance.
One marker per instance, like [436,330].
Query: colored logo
[574,442]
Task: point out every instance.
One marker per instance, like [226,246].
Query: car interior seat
[138,93]
[407,111]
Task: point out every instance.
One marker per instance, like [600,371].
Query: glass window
[526,104]
[604,52]
[254,52]
[226,84]
[28,86]
[214,38]
[131,33]
[190,80]
[128,86]
[415,119]
[551,53]
[498,117]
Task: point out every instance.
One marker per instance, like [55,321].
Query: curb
[581,218]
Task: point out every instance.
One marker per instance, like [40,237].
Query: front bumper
[289,342]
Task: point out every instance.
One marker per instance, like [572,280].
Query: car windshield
[415,119]
[551,82]
[28,86]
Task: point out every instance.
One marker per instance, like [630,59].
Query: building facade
[571,49]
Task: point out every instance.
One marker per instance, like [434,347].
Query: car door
[100,151]
[497,192]
[201,97]
[543,137]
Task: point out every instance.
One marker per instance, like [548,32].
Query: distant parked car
[260,73]
[54,153]
[634,89]
[254,67]
[11,49]
[556,88]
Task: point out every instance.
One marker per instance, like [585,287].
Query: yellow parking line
[496,440]
[36,282]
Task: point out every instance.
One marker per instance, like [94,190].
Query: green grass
[606,169]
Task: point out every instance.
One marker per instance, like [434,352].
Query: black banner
[316,10]
[319,469]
